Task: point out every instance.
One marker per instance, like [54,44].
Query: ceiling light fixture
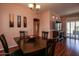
[34,6]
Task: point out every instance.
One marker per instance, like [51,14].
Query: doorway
[36,24]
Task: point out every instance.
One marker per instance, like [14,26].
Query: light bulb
[53,17]
[37,6]
[30,6]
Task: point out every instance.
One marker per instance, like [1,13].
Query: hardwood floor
[73,46]
[70,47]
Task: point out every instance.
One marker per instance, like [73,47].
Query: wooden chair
[23,34]
[51,43]
[18,52]
[44,35]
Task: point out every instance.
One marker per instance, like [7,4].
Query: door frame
[38,22]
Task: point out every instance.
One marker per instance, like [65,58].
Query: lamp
[34,6]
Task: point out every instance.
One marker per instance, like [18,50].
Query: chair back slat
[23,34]
[44,35]
[4,43]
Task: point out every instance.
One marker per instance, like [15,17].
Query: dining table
[31,45]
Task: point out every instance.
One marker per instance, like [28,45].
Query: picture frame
[18,21]
[11,20]
[24,21]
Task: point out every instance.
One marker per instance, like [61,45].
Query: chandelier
[34,6]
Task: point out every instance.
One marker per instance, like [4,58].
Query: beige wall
[15,9]
[0,20]
[0,25]
[44,22]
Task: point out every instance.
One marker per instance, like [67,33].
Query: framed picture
[11,20]
[25,21]
[18,21]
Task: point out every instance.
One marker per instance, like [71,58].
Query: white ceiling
[59,8]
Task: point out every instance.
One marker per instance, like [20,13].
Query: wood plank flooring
[70,47]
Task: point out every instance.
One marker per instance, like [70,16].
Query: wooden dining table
[30,47]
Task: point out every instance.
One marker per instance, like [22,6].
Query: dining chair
[51,43]
[18,52]
[44,34]
[22,34]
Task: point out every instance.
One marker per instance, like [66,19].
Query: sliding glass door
[72,30]
[77,30]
